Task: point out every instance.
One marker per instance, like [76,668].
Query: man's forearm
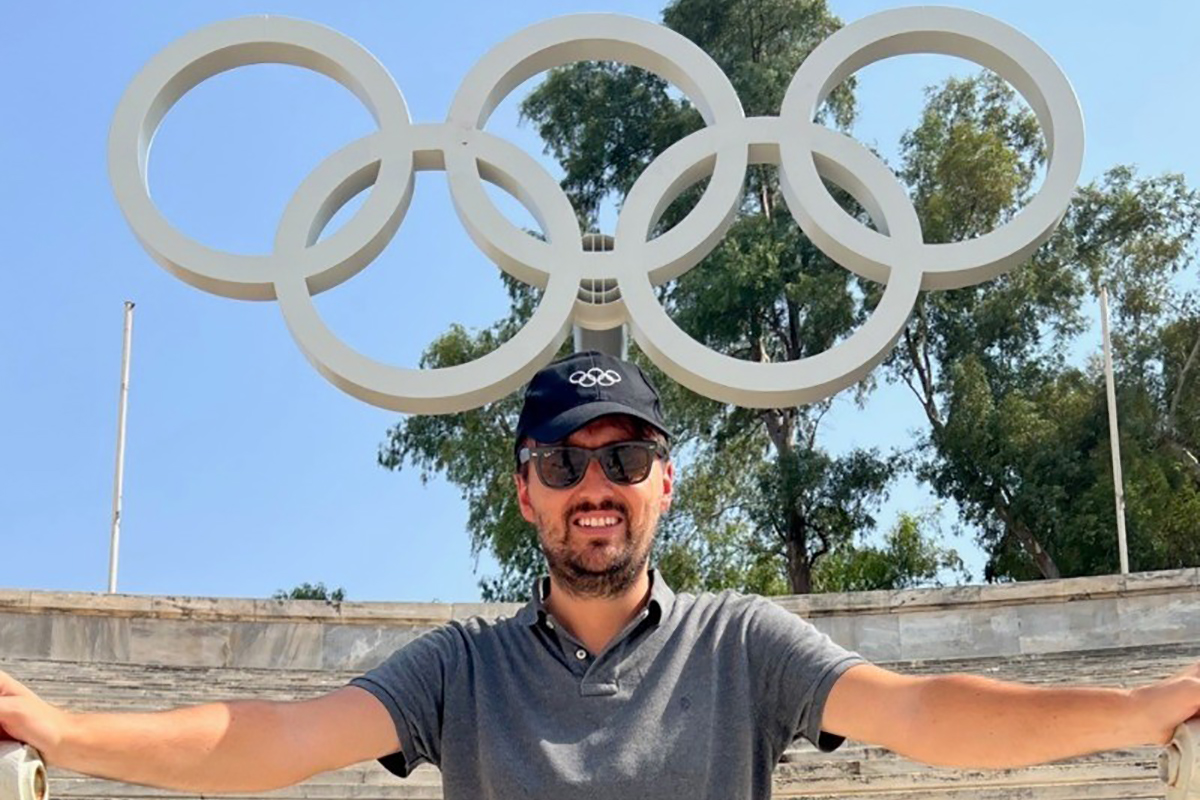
[969,721]
[212,748]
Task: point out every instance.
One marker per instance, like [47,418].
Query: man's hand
[27,718]
[1169,703]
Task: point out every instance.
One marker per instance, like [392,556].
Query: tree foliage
[760,501]
[473,450]
[310,591]
[907,559]
[1018,434]
[1013,396]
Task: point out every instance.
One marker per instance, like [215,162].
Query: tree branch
[824,539]
[1181,382]
[924,372]
[709,519]
[793,337]
[1186,457]
[812,432]
[1045,563]
[771,417]
[908,382]
[764,197]
[777,329]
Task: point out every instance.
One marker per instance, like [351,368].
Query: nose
[594,481]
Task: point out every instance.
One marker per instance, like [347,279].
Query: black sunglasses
[561,466]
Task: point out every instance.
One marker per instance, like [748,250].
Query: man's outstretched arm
[969,721]
[238,746]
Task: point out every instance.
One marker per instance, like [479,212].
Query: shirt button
[550,624]
[581,654]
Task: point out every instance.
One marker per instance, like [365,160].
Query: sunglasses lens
[562,466]
[626,463]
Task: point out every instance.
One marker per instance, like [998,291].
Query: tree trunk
[1029,543]
[799,568]
[1181,382]
[1045,563]
[918,354]
[1177,448]
[1185,457]
[779,424]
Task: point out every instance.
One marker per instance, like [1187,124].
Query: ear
[668,485]
[523,498]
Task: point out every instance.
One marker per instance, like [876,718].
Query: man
[607,684]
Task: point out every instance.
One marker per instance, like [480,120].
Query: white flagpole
[114,547]
[1113,433]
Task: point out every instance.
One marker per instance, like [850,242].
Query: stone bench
[855,770]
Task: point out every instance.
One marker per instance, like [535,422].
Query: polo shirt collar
[661,600]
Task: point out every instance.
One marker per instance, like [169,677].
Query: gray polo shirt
[698,697]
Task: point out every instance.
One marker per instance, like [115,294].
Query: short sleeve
[794,668]
[411,684]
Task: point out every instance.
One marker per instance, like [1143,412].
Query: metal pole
[1113,433]
[115,546]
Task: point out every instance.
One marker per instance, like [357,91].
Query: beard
[606,568]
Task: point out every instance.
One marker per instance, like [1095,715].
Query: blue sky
[246,472]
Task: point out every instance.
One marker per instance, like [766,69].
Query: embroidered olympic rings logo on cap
[595,377]
[894,253]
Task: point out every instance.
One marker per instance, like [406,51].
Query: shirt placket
[598,675]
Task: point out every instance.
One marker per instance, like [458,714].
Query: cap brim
[558,428]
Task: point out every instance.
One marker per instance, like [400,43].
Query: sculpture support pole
[1114,433]
[613,341]
[119,479]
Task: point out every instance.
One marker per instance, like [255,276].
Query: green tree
[908,559]
[473,450]
[1017,428]
[309,591]
[760,501]
[1018,436]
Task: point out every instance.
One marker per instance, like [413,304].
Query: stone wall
[921,624]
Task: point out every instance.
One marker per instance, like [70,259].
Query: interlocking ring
[595,377]
[894,253]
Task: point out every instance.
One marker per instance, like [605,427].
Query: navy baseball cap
[571,392]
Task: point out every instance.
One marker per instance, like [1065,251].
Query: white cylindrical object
[114,548]
[1114,434]
[1179,763]
[22,773]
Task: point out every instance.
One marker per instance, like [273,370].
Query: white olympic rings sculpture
[895,254]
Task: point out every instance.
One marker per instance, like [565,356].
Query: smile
[600,523]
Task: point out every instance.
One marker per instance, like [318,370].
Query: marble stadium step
[151,686]
[65,786]
[371,781]
[1051,782]
[854,771]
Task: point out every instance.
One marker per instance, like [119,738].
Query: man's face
[596,535]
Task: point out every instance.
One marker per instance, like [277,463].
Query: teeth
[597,522]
